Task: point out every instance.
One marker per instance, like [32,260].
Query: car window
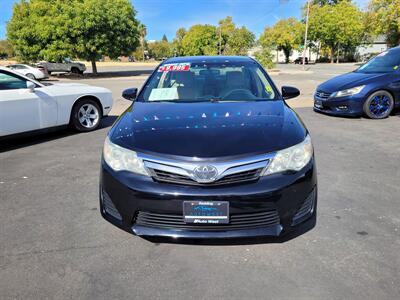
[10,81]
[387,61]
[195,82]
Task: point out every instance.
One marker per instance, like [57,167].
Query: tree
[164,38]
[339,26]
[6,49]
[233,40]
[285,35]
[200,40]
[177,43]
[264,57]
[384,17]
[87,29]
[142,33]
[160,50]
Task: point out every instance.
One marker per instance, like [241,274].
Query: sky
[166,16]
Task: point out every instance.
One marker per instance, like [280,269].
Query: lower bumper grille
[306,209]
[109,206]
[237,221]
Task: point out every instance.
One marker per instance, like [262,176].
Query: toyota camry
[209,149]
[372,90]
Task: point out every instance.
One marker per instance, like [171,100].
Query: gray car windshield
[388,61]
[199,82]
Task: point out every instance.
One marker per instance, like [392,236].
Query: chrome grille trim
[322,95]
[181,171]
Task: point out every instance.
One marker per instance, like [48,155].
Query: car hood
[208,129]
[349,80]
[69,84]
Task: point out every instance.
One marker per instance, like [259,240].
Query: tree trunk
[332,55]
[94,67]
[287,54]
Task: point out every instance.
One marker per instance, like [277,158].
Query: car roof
[208,59]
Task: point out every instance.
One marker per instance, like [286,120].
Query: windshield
[197,82]
[387,61]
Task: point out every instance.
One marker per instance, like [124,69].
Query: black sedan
[209,149]
[373,89]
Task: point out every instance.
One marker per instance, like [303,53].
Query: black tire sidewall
[368,101]
[75,117]
[75,70]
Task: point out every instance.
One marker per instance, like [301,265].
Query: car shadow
[107,74]
[304,228]
[32,138]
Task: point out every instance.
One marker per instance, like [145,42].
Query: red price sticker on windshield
[174,67]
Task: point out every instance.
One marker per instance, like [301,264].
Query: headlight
[291,159]
[348,92]
[121,159]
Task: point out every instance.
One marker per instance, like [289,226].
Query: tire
[31,76]
[75,70]
[379,105]
[86,115]
[49,72]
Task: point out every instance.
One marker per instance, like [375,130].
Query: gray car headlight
[348,92]
[122,159]
[291,159]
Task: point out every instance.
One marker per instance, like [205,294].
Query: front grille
[322,95]
[237,221]
[164,176]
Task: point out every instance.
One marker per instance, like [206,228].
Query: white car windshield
[197,82]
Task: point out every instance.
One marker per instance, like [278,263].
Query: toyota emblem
[205,174]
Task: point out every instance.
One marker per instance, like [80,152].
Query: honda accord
[209,149]
[373,89]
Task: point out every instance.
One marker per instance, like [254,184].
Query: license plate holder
[206,212]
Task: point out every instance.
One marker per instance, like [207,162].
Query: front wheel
[31,76]
[86,115]
[379,105]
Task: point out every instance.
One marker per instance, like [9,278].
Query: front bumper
[343,106]
[131,195]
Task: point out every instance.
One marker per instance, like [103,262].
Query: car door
[21,109]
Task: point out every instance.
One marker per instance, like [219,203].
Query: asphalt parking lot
[54,243]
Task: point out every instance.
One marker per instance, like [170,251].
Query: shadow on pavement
[29,139]
[109,74]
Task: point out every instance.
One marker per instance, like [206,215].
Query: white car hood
[70,84]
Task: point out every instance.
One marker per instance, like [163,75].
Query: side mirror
[289,92]
[30,86]
[130,94]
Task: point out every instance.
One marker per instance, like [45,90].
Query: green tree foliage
[87,29]
[160,50]
[285,35]
[164,38]
[6,50]
[264,57]
[200,40]
[177,42]
[226,39]
[234,41]
[384,17]
[339,26]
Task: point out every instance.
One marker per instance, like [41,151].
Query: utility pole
[305,35]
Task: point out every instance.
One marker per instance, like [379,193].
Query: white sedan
[27,105]
[29,71]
